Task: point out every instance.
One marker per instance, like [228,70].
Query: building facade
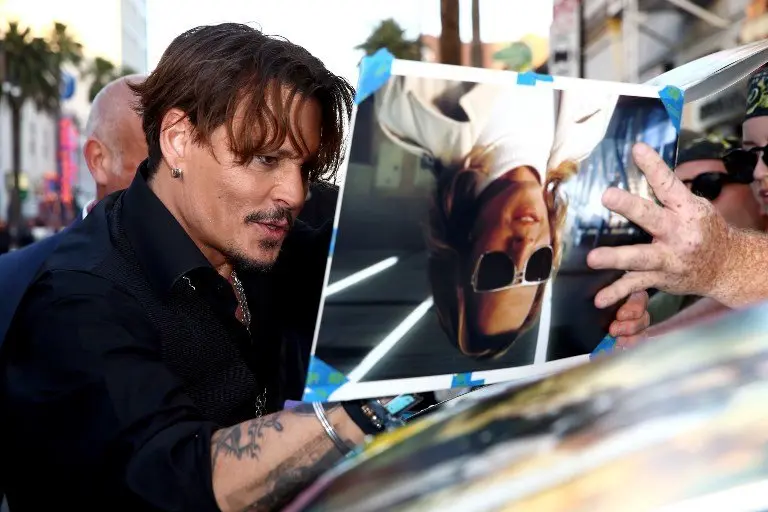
[133,34]
[120,36]
[636,40]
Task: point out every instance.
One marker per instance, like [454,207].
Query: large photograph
[466,215]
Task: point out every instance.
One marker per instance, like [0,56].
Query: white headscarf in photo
[408,115]
[582,122]
[519,132]
[516,123]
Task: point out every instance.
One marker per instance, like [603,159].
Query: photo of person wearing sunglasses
[701,166]
[497,217]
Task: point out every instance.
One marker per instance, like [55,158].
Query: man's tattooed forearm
[244,439]
[296,473]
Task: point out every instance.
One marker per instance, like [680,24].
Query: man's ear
[98,159]
[175,137]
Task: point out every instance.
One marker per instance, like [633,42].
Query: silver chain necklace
[242,300]
[261,399]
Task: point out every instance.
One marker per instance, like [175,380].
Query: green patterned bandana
[757,94]
[710,147]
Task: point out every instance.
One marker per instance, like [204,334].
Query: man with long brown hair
[149,364]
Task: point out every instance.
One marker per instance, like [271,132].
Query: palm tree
[32,72]
[477,44]
[28,76]
[450,38]
[102,71]
[390,35]
[65,48]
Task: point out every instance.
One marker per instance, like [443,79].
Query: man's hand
[690,239]
[632,320]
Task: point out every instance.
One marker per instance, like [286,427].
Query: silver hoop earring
[176,172]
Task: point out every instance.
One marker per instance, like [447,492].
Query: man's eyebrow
[285,153]
[748,144]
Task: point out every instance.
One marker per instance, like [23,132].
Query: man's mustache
[275,216]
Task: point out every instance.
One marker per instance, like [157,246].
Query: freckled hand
[688,237]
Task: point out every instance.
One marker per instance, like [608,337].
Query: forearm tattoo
[244,439]
[291,477]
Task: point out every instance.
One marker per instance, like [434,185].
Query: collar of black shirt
[163,248]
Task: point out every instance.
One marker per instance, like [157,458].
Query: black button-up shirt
[126,356]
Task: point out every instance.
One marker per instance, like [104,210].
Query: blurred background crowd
[56,56]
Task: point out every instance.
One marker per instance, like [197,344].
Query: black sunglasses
[709,185]
[495,271]
[741,163]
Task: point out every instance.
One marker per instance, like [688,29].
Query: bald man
[114,148]
[115,144]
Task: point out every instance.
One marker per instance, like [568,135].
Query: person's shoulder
[85,244]
[56,287]
[67,308]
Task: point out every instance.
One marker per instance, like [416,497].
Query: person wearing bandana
[750,160]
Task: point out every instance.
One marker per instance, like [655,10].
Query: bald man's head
[115,143]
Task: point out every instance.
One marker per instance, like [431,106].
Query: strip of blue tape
[463,380]
[673,99]
[530,78]
[322,380]
[332,246]
[606,346]
[375,70]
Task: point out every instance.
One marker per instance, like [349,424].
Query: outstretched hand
[690,238]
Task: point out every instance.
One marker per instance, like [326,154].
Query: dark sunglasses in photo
[495,271]
[741,163]
[709,185]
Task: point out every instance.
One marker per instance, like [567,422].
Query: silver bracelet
[323,419]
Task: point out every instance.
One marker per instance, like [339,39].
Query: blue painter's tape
[605,347]
[673,99]
[530,78]
[333,242]
[464,380]
[322,380]
[319,393]
[374,72]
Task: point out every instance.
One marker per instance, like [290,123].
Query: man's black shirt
[126,356]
